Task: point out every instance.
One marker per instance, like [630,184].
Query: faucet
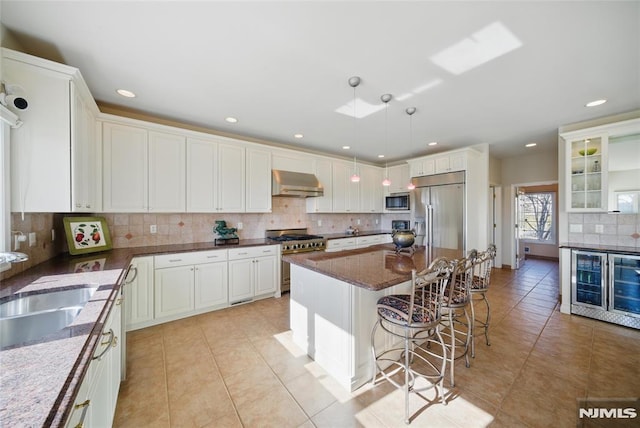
[13,257]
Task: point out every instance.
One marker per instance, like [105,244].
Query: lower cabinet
[95,403]
[138,293]
[253,272]
[352,243]
[189,283]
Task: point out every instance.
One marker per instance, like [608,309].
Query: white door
[266,270]
[139,293]
[241,280]
[211,285]
[173,291]
[166,173]
[125,155]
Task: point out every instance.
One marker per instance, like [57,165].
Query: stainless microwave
[397,202]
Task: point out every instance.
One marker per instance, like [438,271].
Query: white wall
[538,167]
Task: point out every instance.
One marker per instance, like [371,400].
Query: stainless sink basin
[19,329]
[47,301]
[37,315]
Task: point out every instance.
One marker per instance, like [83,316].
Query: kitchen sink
[22,328]
[46,301]
[37,315]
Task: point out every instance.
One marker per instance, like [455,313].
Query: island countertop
[373,268]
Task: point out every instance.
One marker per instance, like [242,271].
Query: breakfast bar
[333,298]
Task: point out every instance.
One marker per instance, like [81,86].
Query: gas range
[296,240]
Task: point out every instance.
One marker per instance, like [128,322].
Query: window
[537,217]
[627,202]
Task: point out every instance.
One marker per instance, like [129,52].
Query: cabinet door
[587,173]
[173,291]
[166,173]
[124,168]
[84,163]
[231,178]
[345,192]
[241,280]
[266,270]
[323,204]
[41,147]
[139,293]
[258,181]
[370,190]
[211,287]
[202,182]
[399,176]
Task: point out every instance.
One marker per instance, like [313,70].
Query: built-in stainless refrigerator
[438,214]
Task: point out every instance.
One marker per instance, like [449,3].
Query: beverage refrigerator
[606,286]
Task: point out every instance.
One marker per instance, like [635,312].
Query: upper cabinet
[371,189]
[53,153]
[323,169]
[399,177]
[455,160]
[602,167]
[143,171]
[258,198]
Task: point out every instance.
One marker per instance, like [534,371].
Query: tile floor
[238,367]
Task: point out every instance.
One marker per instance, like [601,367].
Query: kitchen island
[333,305]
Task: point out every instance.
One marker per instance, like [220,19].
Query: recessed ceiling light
[346,147]
[595,103]
[433,143]
[231,119]
[298,135]
[530,145]
[125,93]
[380,156]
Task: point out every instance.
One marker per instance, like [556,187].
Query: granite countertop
[40,379]
[618,249]
[373,268]
[329,236]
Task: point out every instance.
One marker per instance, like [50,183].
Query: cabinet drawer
[211,256]
[251,252]
[340,243]
[177,259]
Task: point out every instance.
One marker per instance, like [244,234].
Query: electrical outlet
[358,222]
[153,228]
[239,226]
[376,221]
[32,239]
[319,223]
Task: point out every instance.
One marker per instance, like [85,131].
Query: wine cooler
[606,287]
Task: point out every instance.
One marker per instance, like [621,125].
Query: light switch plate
[32,239]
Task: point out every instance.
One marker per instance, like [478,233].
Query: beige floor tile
[275,408]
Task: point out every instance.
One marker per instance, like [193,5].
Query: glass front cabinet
[587,173]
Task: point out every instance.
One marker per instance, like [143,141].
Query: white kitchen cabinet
[211,288]
[167,174]
[215,176]
[399,176]
[586,172]
[371,189]
[174,291]
[288,160]
[369,240]
[253,272]
[125,168]
[346,194]
[455,160]
[189,283]
[324,173]
[95,403]
[258,193]
[340,244]
[53,151]
[144,171]
[138,293]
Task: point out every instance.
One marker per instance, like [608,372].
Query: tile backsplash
[605,229]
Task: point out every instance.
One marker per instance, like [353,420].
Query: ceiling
[502,73]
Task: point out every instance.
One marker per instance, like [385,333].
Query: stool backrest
[458,291]
[482,269]
[428,290]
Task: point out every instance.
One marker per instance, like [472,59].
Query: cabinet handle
[109,343]
[135,274]
[242,254]
[174,260]
[119,301]
[212,257]
[85,403]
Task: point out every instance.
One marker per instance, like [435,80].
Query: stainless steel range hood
[295,184]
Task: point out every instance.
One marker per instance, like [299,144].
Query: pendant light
[385,99]
[410,111]
[354,82]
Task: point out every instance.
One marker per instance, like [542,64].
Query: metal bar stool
[479,287]
[457,325]
[413,319]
